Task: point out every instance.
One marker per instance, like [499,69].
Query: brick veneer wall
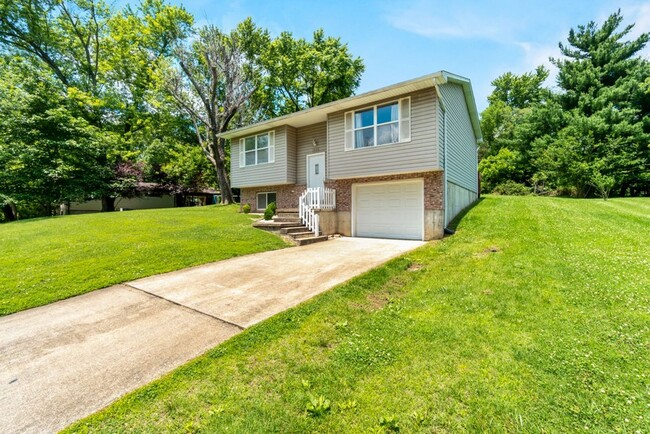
[286,195]
[433,188]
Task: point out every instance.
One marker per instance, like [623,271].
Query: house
[397,162]
[150,195]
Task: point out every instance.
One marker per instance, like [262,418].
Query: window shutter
[271,146]
[405,119]
[242,157]
[349,131]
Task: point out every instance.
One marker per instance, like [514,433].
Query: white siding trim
[349,131]
[404,121]
[242,162]
[272,146]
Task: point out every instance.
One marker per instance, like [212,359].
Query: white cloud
[427,19]
[536,54]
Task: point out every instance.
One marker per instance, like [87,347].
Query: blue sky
[400,40]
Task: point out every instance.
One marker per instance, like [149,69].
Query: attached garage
[389,210]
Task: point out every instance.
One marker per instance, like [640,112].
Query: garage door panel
[392,210]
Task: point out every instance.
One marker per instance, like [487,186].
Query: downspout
[444,166]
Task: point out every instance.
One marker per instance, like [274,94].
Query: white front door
[316,170]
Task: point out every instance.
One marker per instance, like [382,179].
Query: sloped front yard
[45,260]
[534,317]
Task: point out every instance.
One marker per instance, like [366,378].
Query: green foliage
[180,166]
[603,184]
[532,318]
[495,168]
[389,423]
[99,66]
[123,246]
[520,91]
[246,208]
[142,79]
[317,407]
[302,74]
[511,188]
[269,212]
[599,122]
[49,153]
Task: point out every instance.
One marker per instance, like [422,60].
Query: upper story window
[258,149]
[378,125]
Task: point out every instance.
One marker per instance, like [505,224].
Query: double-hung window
[378,125]
[264,199]
[258,149]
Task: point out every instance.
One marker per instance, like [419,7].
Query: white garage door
[389,210]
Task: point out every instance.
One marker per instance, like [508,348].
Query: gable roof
[319,113]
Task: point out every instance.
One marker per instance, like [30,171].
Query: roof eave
[466,84]
[334,106]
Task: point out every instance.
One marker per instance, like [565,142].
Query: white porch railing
[314,199]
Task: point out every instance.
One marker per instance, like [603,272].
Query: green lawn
[534,317]
[44,260]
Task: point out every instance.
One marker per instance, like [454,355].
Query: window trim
[266,193]
[270,147]
[402,122]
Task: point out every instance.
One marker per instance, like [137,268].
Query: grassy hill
[44,260]
[534,317]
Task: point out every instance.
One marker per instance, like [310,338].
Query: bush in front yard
[246,208]
[269,212]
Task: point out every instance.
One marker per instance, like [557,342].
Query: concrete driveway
[64,361]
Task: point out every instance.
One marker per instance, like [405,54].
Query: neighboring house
[401,161]
[153,196]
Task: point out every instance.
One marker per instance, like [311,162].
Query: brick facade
[286,195]
[433,188]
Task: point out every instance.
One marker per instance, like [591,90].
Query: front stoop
[287,222]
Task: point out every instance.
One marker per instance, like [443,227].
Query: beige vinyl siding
[261,174]
[441,134]
[462,164]
[417,155]
[291,155]
[145,202]
[305,145]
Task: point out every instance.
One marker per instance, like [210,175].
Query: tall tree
[592,135]
[521,110]
[101,60]
[603,81]
[213,81]
[520,91]
[49,154]
[302,74]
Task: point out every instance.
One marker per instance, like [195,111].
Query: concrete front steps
[287,222]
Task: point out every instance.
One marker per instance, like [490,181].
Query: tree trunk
[224,183]
[9,212]
[218,149]
[108,204]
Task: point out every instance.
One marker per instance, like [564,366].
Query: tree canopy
[302,74]
[97,98]
[592,136]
